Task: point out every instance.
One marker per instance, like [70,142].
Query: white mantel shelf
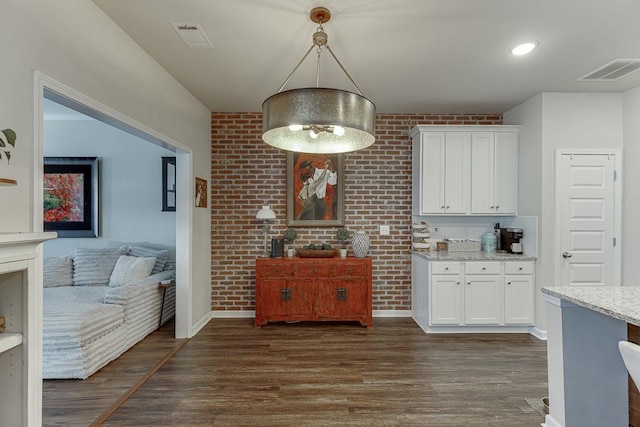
[621,303]
[13,238]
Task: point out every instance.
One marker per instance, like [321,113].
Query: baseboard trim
[391,313]
[233,314]
[538,333]
[201,324]
[243,314]
[549,421]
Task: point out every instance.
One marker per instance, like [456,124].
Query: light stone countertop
[471,256]
[621,303]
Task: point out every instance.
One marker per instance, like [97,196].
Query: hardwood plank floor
[72,403]
[316,374]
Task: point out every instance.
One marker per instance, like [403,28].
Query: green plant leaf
[11,136]
[2,144]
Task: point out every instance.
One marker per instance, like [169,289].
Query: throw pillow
[58,271]
[161,256]
[94,266]
[129,269]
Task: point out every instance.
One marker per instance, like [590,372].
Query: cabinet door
[302,297]
[420,290]
[457,180]
[431,185]
[445,301]
[482,173]
[337,298]
[482,300]
[272,298]
[518,300]
[506,172]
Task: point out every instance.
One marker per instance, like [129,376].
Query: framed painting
[201,193]
[70,196]
[168,184]
[315,190]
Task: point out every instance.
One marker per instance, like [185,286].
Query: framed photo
[70,196]
[168,184]
[315,190]
[201,193]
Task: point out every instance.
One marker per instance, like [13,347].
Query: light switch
[384,230]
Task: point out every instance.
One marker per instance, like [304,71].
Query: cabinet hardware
[497,207]
[566,254]
[341,294]
[508,283]
[490,207]
[457,283]
[448,206]
[285,294]
[520,268]
[313,270]
[484,268]
[350,270]
[441,207]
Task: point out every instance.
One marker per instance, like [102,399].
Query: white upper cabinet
[494,173]
[465,170]
[441,184]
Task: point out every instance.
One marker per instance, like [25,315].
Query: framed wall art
[201,193]
[315,190]
[70,196]
[168,184]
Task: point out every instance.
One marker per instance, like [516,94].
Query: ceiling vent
[192,35]
[614,70]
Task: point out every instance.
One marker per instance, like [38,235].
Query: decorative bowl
[316,253]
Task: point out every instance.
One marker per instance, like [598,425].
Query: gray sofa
[98,303]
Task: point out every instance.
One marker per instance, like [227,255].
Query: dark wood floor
[232,374]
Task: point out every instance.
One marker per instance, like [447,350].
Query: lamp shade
[318,120]
[266,213]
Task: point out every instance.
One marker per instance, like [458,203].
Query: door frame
[184,158]
[617,206]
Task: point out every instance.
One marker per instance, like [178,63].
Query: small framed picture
[201,193]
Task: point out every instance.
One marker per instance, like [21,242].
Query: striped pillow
[161,256]
[94,266]
[58,271]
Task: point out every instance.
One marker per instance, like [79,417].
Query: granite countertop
[471,256]
[622,303]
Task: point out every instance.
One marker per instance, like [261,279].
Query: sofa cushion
[94,266]
[58,271]
[161,256]
[129,269]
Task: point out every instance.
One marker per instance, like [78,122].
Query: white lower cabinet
[473,294]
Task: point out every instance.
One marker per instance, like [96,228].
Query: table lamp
[266,215]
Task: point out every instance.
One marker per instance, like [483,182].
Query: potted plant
[290,235]
[7,138]
[342,235]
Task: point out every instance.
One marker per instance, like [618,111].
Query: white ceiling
[407,56]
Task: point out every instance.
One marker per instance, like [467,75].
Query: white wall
[551,121]
[631,200]
[130,184]
[76,44]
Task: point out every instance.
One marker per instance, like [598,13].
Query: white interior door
[586,219]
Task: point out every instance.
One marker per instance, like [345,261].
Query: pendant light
[316,119]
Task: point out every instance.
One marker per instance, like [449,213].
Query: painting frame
[299,213]
[201,193]
[169,184]
[86,208]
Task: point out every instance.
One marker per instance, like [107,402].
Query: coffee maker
[510,240]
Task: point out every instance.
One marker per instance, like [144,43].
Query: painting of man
[315,189]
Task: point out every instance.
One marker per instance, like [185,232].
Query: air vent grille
[614,70]
[192,35]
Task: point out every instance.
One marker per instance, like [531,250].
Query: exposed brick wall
[247,173]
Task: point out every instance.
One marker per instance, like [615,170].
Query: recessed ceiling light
[523,48]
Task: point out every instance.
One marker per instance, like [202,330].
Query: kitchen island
[588,381]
